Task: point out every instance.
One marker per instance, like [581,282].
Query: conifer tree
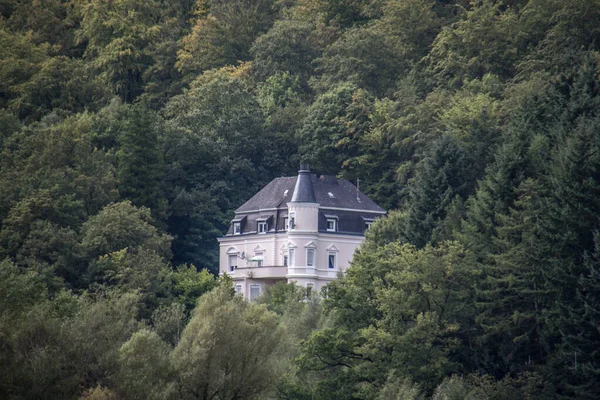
[443,174]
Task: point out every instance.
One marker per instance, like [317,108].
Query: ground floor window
[238,289]
[309,289]
[254,292]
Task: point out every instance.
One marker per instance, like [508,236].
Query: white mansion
[303,229]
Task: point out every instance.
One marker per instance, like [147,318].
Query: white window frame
[237,228]
[291,221]
[254,286]
[335,260]
[313,251]
[286,223]
[232,266]
[334,221]
[262,227]
[292,257]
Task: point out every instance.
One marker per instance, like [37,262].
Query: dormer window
[286,225]
[262,227]
[331,225]
[237,228]
[368,221]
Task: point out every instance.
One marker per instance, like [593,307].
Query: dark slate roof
[343,195]
[303,190]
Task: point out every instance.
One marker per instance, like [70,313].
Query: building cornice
[354,209]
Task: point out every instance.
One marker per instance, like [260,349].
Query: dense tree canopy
[131,129]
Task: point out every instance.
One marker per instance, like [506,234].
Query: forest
[131,129]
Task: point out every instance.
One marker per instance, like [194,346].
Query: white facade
[330,252]
[300,229]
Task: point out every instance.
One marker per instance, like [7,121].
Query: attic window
[237,228]
[331,224]
[262,227]
[330,195]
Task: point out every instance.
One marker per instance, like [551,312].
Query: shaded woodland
[131,129]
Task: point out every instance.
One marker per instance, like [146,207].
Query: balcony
[255,272]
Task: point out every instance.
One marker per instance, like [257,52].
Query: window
[258,257]
[238,289]
[368,222]
[237,228]
[262,227]
[292,223]
[309,288]
[285,260]
[232,262]
[331,225]
[332,260]
[285,224]
[292,256]
[254,292]
[310,257]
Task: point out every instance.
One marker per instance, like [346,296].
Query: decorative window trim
[232,250]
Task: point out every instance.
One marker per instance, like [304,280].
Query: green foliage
[117,36]
[333,126]
[144,371]
[223,33]
[484,41]
[130,130]
[289,46]
[189,284]
[140,168]
[445,173]
[122,225]
[228,349]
